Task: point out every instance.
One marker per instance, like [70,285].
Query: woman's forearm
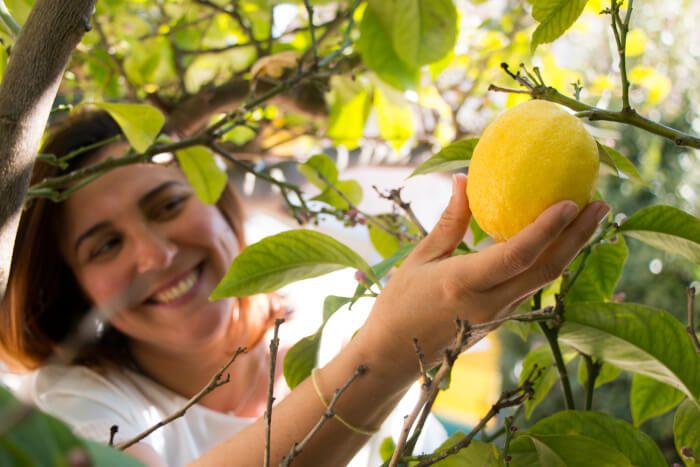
[364,404]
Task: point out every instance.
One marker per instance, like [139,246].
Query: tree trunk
[27,92]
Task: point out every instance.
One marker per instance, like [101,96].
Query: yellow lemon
[532,156]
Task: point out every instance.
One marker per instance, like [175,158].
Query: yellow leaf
[636,42]
[274,65]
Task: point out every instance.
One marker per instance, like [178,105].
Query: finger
[450,229]
[558,256]
[502,261]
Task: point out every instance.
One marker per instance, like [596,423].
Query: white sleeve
[87,402]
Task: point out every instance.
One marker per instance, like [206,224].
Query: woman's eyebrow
[91,231]
[157,190]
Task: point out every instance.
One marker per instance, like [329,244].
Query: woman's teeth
[179,289]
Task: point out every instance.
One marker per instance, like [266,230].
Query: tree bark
[39,57]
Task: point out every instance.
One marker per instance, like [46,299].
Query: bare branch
[274,345]
[510,398]
[328,414]
[394,195]
[429,392]
[216,381]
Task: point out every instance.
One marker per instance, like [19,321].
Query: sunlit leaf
[203,173]
[141,123]
[287,257]
[385,243]
[666,228]
[375,46]
[555,450]
[555,17]
[394,116]
[423,31]
[635,338]
[650,398]
[477,454]
[351,191]
[319,170]
[350,104]
[618,163]
[301,358]
[637,447]
[600,274]
[455,156]
[686,432]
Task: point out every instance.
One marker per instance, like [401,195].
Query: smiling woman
[143,225]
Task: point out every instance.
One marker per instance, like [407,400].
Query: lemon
[532,156]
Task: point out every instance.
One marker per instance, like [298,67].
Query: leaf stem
[593,370]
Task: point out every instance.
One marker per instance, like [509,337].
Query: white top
[91,403]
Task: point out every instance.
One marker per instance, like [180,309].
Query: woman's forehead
[116,191]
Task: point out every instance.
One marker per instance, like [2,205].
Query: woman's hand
[432,288]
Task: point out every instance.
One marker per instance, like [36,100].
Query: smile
[179,292]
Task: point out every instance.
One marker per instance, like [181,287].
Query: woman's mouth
[181,291]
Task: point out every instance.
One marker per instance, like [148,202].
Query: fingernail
[602,211]
[568,211]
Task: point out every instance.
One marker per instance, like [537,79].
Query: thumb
[451,227]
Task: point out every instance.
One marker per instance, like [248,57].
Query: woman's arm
[422,300]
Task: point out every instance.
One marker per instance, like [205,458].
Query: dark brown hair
[44,302]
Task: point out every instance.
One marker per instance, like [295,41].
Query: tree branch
[328,414]
[216,381]
[28,89]
[630,117]
[274,345]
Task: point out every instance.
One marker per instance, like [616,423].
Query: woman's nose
[153,250]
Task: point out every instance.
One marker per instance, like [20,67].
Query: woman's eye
[171,206]
[105,247]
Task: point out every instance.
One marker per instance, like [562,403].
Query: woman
[142,224]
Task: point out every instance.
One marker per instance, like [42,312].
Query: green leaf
[319,164]
[301,358]
[635,338]
[394,116]
[555,17]
[535,450]
[284,258]
[3,61]
[542,357]
[455,156]
[478,233]
[635,445]
[477,454]
[105,456]
[423,31]
[382,268]
[606,373]
[349,103]
[375,47]
[650,398]
[332,303]
[386,449]
[600,274]
[666,228]
[141,123]
[203,173]
[351,189]
[618,163]
[382,241]
[239,135]
[686,432]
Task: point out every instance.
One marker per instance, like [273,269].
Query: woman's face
[143,225]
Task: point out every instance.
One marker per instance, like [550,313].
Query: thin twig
[620,30]
[597,114]
[424,376]
[691,318]
[508,399]
[216,381]
[394,195]
[274,345]
[312,31]
[328,414]
[428,392]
